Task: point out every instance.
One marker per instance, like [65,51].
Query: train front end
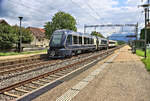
[57,47]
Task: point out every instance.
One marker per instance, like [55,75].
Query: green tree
[142,34]
[48,29]
[94,33]
[60,20]
[7,39]
[9,35]
[26,34]
[120,42]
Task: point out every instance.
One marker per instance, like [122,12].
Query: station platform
[119,77]
[19,56]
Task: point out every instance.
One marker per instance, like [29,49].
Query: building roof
[2,21]
[37,32]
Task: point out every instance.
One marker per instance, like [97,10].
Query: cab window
[69,39]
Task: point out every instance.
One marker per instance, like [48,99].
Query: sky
[86,12]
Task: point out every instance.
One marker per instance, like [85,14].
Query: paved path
[123,79]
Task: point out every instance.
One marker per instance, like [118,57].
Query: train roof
[102,38]
[70,32]
[67,32]
[112,41]
[64,30]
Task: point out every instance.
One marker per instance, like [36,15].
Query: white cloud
[37,12]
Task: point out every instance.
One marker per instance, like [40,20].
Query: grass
[140,53]
[16,53]
[145,61]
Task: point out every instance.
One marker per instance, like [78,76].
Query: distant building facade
[39,37]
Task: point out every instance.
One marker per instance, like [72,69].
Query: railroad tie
[33,87]
[47,81]
[22,90]
[59,74]
[49,78]
[37,83]
[13,95]
[54,76]
[64,72]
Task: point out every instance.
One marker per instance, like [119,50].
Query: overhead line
[93,10]
[32,9]
[81,8]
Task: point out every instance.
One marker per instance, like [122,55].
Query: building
[39,37]
[2,21]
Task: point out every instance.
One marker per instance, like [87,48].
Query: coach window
[88,40]
[75,40]
[102,42]
[80,40]
[84,40]
[69,39]
[92,41]
[111,42]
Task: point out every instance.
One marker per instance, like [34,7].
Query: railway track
[19,89]
[15,69]
[10,62]
[21,67]
[14,77]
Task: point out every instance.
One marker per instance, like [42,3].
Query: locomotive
[66,43]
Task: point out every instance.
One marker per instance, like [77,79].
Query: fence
[137,44]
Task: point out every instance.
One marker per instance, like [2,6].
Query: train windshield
[56,39]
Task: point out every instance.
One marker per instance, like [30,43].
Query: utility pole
[148,12]
[84,29]
[146,9]
[136,31]
[145,55]
[95,28]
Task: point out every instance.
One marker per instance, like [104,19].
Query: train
[66,43]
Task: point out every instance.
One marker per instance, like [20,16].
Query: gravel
[10,79]
[21,76]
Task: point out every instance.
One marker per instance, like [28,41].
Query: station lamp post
[146,9]
[20,35]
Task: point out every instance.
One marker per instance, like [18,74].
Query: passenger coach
[112,43]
